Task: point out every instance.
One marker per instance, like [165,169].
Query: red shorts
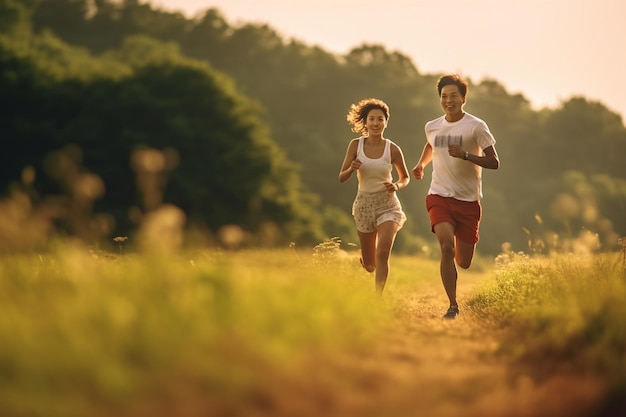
[463,215]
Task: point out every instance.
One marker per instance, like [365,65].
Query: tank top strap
[359,150]
[387,152]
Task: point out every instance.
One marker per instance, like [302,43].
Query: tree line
[257,126]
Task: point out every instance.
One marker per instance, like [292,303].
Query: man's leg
[467,233]
[445,234]
[464,253]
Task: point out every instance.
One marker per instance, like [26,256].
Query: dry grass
[260,333]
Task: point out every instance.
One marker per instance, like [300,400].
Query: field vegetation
[165,213]
[209,332]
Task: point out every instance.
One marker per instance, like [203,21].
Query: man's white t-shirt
[456,177]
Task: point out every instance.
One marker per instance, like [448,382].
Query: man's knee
[464,258]
[447,250]
[464,263]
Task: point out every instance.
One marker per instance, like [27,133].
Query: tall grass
[84,333]
[560,311]
[201,332]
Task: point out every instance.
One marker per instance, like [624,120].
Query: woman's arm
[397,159]
[350,163]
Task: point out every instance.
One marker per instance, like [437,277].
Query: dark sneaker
[452,312]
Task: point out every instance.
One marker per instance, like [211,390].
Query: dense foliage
[214,157]
[109,76]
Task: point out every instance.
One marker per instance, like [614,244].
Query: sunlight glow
[531,47]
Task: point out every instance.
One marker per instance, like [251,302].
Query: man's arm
[425,159]
[489,160]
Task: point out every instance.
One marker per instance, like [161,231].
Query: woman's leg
[387,232]
[368,250]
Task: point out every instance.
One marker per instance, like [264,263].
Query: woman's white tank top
[373,173]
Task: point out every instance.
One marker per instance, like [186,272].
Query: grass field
[300,332]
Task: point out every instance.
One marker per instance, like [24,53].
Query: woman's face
[376,122]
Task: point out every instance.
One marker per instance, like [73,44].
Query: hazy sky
[548,50]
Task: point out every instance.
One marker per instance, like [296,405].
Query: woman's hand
[391,187]
[356,164]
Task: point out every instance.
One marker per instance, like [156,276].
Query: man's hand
[418,171]
[456,151]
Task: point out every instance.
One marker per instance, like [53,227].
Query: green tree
[583,135]
[305,92]
[230,170]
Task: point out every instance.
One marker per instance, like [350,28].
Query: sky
[547,50]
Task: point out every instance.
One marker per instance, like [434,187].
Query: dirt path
[424,366]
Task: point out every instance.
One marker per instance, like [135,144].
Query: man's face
[452,101]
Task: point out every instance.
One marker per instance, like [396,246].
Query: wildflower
[120,240]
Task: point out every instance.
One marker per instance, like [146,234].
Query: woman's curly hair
[357,114]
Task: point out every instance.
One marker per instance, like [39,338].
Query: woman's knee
[368,266]
[382,254]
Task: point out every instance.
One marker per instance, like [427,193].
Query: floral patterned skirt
[372,209]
